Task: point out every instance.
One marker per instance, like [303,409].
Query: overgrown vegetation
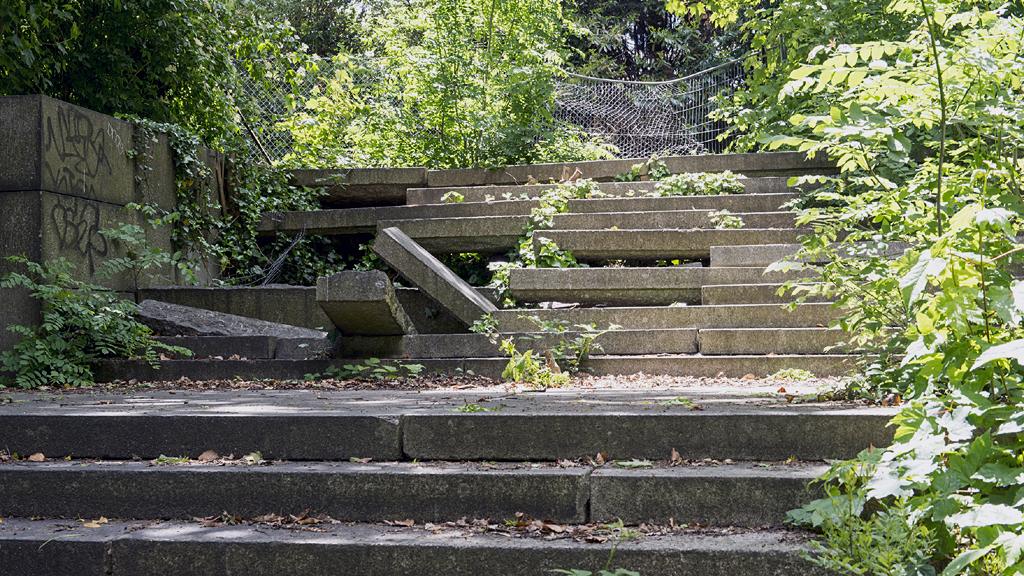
[81,324]
[920,103]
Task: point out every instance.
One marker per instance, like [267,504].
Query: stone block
[362,186]
[435,279]
[362,303]
[279,303]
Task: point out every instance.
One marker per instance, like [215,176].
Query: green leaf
[1010,350]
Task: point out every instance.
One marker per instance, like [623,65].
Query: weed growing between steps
[81,324]
[928,132]
[369,369]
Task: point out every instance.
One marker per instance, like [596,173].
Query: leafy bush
[452,83]
[81,323]
[927,132]
[698,184]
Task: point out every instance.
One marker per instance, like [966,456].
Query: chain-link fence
[641,119]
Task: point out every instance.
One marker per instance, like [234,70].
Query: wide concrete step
[352,221]
[771,341]
[599,245]
[498,234]
[753,293]
[751,165]
[631,286]
[618,342]
[741,423]
[744,494]
[661,317]
[766,253]
[763,185]
[126,548]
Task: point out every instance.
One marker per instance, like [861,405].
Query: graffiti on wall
[76,224]
[78,151]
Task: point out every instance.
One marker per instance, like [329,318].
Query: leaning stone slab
[418,266]
[363,303]
[174,320]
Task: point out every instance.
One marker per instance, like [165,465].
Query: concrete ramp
[427,273]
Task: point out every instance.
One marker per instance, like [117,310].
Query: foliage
[325,27]
[781,36]
[575,341]
[792,375]
[698,184]
[166,60]
[451,83]
[927,132]
[654,169]
[641,40]
[525,367]
[81,324]
[725,220]
[369,369]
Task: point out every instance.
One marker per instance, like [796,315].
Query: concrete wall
[66,174]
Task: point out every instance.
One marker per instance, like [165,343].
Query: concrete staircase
[413,483]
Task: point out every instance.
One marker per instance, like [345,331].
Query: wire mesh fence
[640,119]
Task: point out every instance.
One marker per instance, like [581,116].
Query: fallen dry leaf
[407,523]
[360,460]
[208,456]
[781,390]
[676,458]
[599,459]
[96,523]
[37,457]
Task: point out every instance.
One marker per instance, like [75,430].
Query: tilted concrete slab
[695,244]
[653,317]
[362,302]
[347,491]
[435,279]
[767,185]
[677,341]
[352,221]
[121,548]
[361,186]
[759,164]
[167,319]
[771,340]
[629,286]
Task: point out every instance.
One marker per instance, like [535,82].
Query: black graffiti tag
[82,150]
[77,226]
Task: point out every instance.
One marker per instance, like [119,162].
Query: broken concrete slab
[278,303]
[435,279]
[362,302]
[251,347]
[175,320]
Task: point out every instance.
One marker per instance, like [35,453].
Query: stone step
[618,342]
[414,196]
[599,245]
[766,293]
[766,253]
[364,220]
[734,341]
[499,234]
[124,548]
[630,286]
[661,317]
[711,494]
[690,365]
[741,423]
[751,165]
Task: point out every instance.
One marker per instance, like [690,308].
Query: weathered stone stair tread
[770,340]
[692,365]
[147,548]
[619,342]
[632,285]
[753,293]
[415,196]
[659,317]
[596,245]
[501,233]
[364,220]
[731,494]
[750,164]
[742,423]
